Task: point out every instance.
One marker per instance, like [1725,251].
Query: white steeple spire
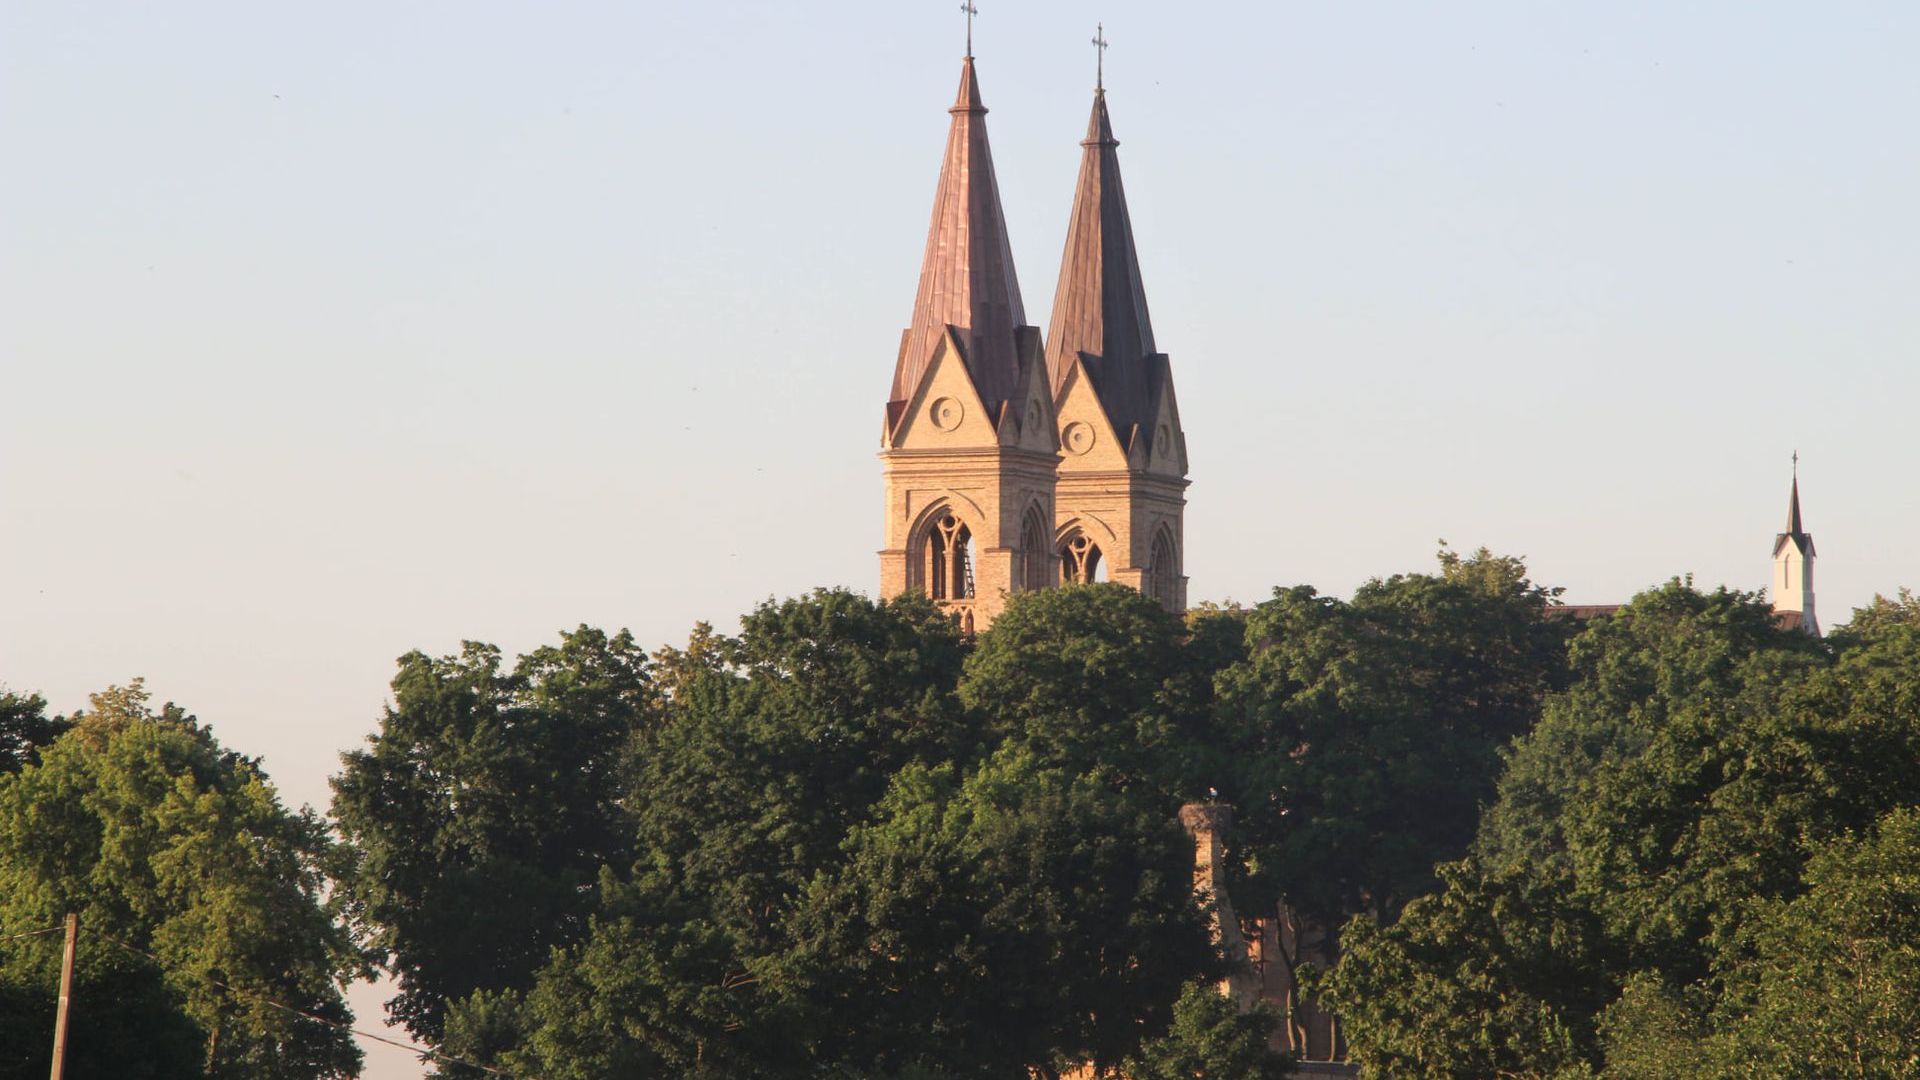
[1793,556]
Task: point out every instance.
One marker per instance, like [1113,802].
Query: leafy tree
[1490,975]
[1021,916]
[840,871]
[1655,1030]
[483,810]
[1097,675]
[1836,970]
[1650,835]
[1015,918]
[179,850]
[764,763]
[1210,1039]
[25,728]
[769,748]
[1364,735]
[1879,616]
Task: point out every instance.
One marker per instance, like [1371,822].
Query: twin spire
[967,280]
[968,284]
[1100,305]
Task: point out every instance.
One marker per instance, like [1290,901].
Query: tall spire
[1793,502]
[1793,558]
[967,280]
[1100,305]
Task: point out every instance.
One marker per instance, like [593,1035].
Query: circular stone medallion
[1077,438]
[945,413]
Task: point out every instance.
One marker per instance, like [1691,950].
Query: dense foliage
[25,728]
[1365,734]
[1211,1039]
[482,812]
[199,899]
[850,843]
[837,866]
[1699,864]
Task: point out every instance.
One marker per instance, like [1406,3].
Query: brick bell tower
[969,447]
[1120,507]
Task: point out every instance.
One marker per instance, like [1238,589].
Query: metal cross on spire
[1796,464]
[1100,56]
[971,12]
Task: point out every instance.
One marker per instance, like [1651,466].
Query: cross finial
[971,12]
[1100,56]
[1796,464]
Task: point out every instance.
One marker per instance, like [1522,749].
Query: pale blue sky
[335,331]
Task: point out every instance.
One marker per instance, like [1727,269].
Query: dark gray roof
[1795,534]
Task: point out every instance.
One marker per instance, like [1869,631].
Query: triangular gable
[1087,439]
[1167,441]
[946,389]
[1032,408]
[1802,542]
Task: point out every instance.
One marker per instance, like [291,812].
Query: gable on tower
[1100,321]
[967,282]
[970,447]
[1793,557]
[1008,459]
[1123,461]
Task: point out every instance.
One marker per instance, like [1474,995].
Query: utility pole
[66,995]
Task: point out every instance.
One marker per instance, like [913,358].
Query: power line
[32,933]
[336,1025]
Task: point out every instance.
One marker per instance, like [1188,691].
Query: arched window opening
[1080,560]
[1036,558]
[949,568]
[1162,572]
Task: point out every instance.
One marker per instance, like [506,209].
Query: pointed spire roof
[1796,533]
[1100,305]
[966,278]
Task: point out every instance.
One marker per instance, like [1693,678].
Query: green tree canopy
[1211,1039]
[855,852]
[161,840]
[1094,675]
[483,809]
[1833,975]
[1364,735]
[1652,835]
[1020,917]
[25,728]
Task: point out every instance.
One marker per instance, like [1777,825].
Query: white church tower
[1793,568]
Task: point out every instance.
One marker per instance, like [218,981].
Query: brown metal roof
[1583,612]
[1796,620]
[1100,305]
[966,279]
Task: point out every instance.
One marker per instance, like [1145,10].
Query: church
[1015,462]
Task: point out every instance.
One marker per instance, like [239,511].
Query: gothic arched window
[1036,556]
[949,559]
[1163,572]
[1080,560]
